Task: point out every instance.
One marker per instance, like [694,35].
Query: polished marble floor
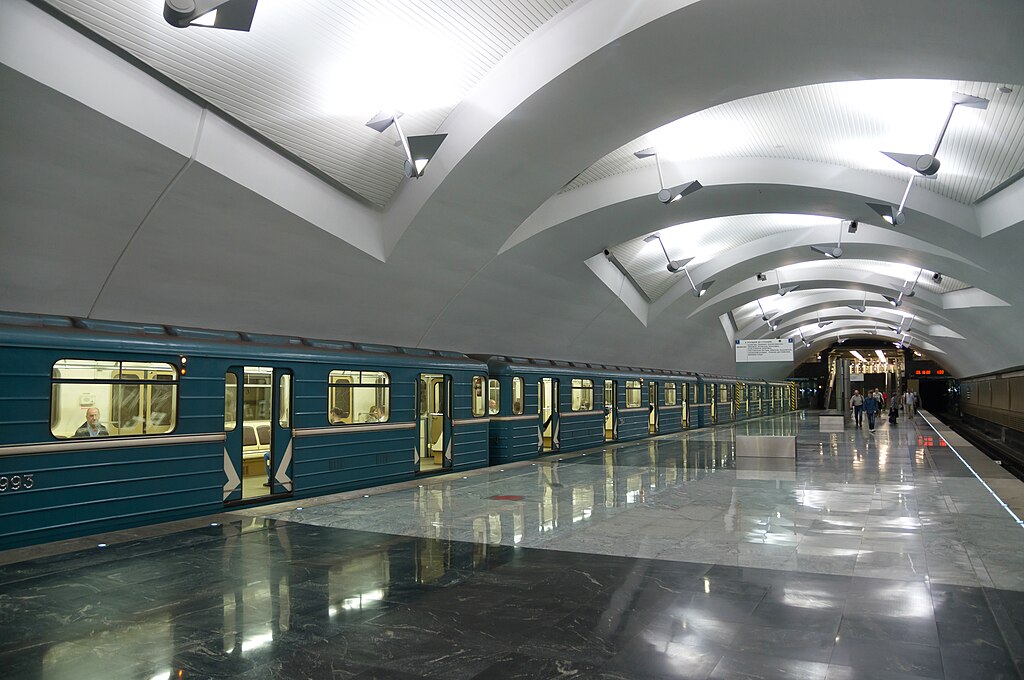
[874,555]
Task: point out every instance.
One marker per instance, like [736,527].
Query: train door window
[479,396]
[633,398]
[230,401]
[517,396]
[355,397]
[92,398]
[493,397]
[652,406]
[670,394]
[582,394]
[284,416]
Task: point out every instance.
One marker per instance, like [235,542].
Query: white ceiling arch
[578,87]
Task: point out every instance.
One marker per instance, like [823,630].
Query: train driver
[92,427]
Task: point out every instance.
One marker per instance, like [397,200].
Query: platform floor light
[698,292]
[669,194]
[926,164]
[232,15]
[673,265]
[419,149]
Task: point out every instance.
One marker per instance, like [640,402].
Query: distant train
[106,425]
[994,403]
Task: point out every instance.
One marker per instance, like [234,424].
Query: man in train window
[92,427]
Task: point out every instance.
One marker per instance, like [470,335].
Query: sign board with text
[764,350]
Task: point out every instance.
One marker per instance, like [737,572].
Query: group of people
[873,402]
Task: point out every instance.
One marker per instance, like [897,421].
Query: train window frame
[635,388]
[670,388]
[479,396]
[493,396]
[145,375]
[230,401]
[342,382]
[518,388]
[579,394]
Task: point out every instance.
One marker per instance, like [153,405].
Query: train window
[358,397]
[284,416]
[479,397]
[723,394]
[493,397]
[670,394]
[230,401]
[582,394]
[632,393]
[517,396]
[92,398]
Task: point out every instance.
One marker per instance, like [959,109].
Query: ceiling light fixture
[761,276]
[927,164]
[881,356]
[232,15]
[857,354]
[673,265]
[670,194]
[784,289]
[805,341]
[822,324]
[698,292]
[862,307]
[937,277]
[419,149]
[828,251]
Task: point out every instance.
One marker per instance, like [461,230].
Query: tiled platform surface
[876,555]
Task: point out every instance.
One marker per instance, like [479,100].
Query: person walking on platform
[857,406]
[871,408]
[908,402]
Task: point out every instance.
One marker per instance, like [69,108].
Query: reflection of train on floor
[111,424]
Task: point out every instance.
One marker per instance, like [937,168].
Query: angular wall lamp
[233,15]
[670,194]
[784,289]
[419,149]
[927,164]
[698,292]
[673,265]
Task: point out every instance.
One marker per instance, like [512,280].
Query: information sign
[765,350]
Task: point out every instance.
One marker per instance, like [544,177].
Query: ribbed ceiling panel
[849,124]
[311,73]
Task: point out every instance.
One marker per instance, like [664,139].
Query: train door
[652,406]
[711,395]
[684,400]
[611,411]
[434,452]
[547,411]
[258,432]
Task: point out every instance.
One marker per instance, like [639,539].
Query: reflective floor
[874,555]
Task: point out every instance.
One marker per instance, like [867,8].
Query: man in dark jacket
[871,408]
[92,427]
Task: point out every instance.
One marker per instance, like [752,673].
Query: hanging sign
[765,350]
[856,377]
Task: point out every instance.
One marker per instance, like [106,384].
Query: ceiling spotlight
[927,164]
[888,213]
[862,307]
[764,314]
[673,266]
[937,277]
[419,149]
[761,276]
[670,194]
[698,292]
[1005,89]
[822,324]
[829,251]
[784,289]
[894,301]
[233,15]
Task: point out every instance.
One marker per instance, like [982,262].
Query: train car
[108,425]
[547,405]
[994,403]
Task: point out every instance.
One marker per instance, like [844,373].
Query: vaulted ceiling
[227,179]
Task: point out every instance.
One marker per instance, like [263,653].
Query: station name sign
[765,350]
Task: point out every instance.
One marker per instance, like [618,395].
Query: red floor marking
[507,498]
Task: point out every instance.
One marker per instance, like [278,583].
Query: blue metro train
[106,425]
